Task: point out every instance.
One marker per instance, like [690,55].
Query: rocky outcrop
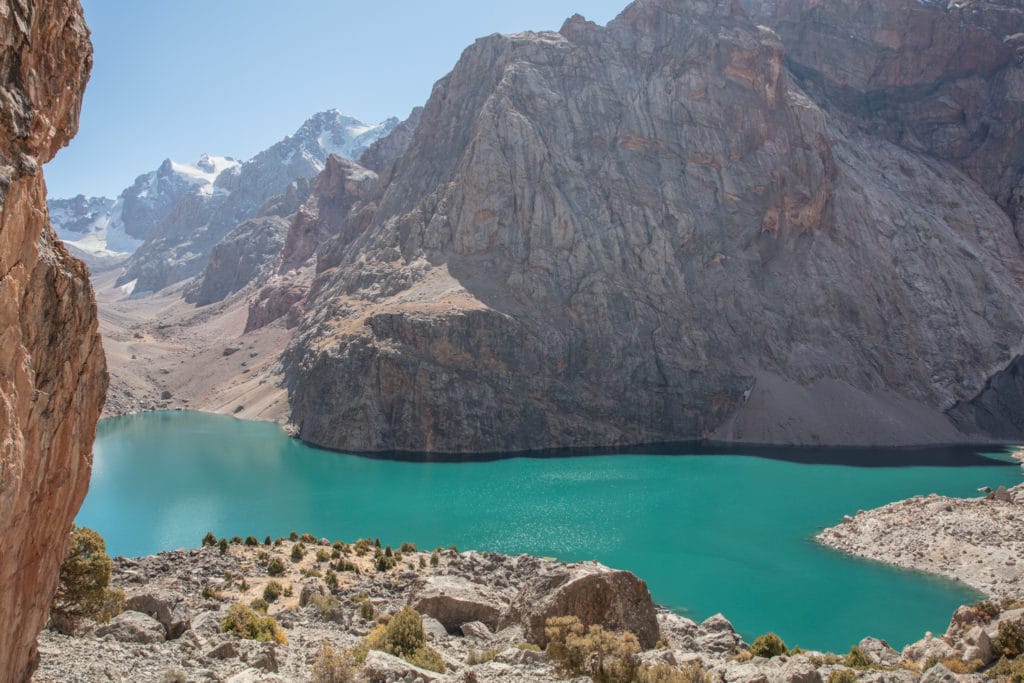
[52,374]
[245,255]
[377,156]
[664,229]
[595,594]
[974,540]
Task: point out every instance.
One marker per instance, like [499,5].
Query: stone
[455,600]
[476,629]
[928,648]
[799,670]
[311,589]
[614,599]
[381,667]
[978,646]
[939,674]
[225,650]
[879,652]
[133,627]
[434,628]
[52,369]
[169,609]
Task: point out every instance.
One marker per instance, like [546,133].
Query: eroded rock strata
[52,372]
[686,224]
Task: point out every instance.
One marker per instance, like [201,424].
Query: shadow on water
[984,455]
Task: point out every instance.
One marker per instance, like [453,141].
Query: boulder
[799,670]
[434,628]
[226,650]
[381,667]
[977,645]
[879,652]
[939,674]
[476,629]
[455,600]
[928,648]
[166,607]
[717,636]
[133,627]
[615,599]
[309,590]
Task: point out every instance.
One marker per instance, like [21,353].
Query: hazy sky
[230,77]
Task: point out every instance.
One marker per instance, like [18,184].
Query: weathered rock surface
[245,255]
[979,541]
[52,374]
[667,229]
[597,595]
[454,601]
[377,156]
[133,627]
[166,607]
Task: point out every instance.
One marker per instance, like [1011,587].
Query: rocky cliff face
[52,374]
[682,225]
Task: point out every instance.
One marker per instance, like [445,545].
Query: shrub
[532,647]
[481,657]
[298,552]
[293,536]
[453,549]
[1010,641]
[434,559]
[768,645]
[83,587]
[288,591]
[842,676]
[174,676]
[402,636]
[245,623]
[954,664]
[335,554]
[251,541]
[322,555]
[856,658]
[263,557]
[362,546]
[987,609]
[223,545]
[423,563]
[1007,669]
[236,540]
[209,539]
[275,567]
[209,593]
[331,579]
[308,538]
[408,547]
[366,610]
[325,604]
[267,541]
[605,656]
[663,673]
[338,545]
[376,542]
[384,562]
[333,666]
[259,605]
[272,591]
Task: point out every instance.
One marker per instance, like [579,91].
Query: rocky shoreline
[484,614]
[977,541]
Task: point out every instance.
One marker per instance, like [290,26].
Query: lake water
[709,532]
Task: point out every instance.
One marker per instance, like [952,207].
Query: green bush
[434,559]
[298,552]
[482,656]
[209,539]
[83,590]
[331,579]
[236,540]
[605,656]
[333,666]
[842,676]
[325,604]
[366,610]
[986,609]
[293,536]
[251,541]
[259,605]
[267,541]
[272,591]
[223,545]
[768,645]
[1007,669]
[308,538]
[275,567]
[403,636]
[408,547]
[1010,640]
[245,623]
[323,555]
[422,563]
[857,659]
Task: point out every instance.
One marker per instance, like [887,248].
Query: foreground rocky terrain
[480,611]
[979,541]
[52,371]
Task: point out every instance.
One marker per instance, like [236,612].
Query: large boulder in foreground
[614,599]
[168,608]
[133,627]
[455,600]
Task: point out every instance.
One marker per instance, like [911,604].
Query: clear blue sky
[230,77]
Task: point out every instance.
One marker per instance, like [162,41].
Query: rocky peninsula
[483,614]
[978,541]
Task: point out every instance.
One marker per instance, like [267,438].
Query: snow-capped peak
[206,169]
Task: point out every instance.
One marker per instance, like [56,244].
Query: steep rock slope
[52,373]
[650,232]
[179,246]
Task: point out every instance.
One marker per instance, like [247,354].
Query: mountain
[178,245]
[686,224]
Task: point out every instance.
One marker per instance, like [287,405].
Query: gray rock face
[377,156]
[245,255]
[381,667]
[617,600]
[642,232]
[169,609]
[133,627]
[454,601]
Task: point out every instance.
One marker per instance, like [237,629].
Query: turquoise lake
[709,532]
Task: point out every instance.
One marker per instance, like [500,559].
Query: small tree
[333,666]
[83,589]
